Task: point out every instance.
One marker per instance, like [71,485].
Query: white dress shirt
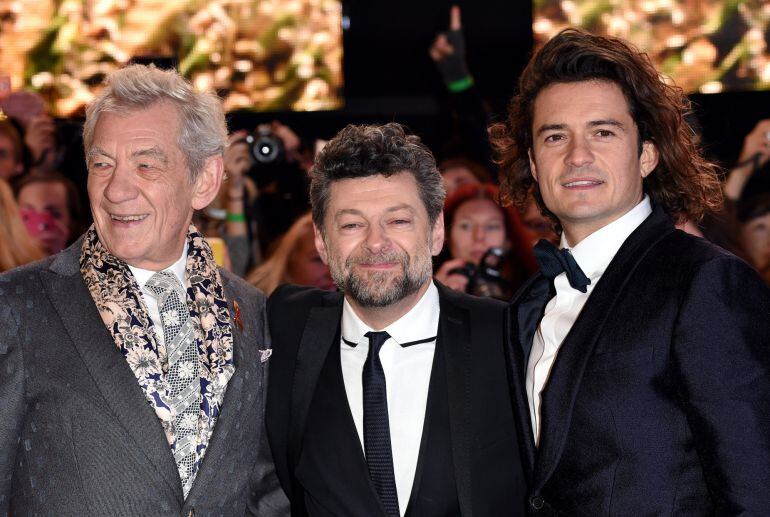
[407,377]
[142,276]
[593,254]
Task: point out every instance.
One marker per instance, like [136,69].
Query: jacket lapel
[519,342]
[574,353]
[246,363]
[317,338]
[106,365]
[454,341]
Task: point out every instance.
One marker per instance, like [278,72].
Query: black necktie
[554,261]
[376,427]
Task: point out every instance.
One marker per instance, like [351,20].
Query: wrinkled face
[44,209]
[9,167]
[377,239]
[306,266]
[456,177]
[585,157]
[139,186]
[478,225]
[755,239]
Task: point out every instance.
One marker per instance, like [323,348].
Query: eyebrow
[154,152]
[593,123]
[353,211]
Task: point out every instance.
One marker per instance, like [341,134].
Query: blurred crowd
[259,226]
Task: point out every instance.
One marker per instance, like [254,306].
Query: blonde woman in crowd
[295,260]
[16,246]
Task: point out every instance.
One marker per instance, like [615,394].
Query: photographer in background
[488,251]
[264,193]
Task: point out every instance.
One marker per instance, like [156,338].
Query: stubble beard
[380,289]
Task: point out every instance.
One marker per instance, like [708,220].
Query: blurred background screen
[266,55]
[705,46]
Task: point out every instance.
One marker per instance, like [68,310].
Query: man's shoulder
[23,279]
[242,288]
[301,296]
[469,302]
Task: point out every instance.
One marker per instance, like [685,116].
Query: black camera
[266,147]
[487,278]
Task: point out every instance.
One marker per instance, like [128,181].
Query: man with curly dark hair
[389,398]
[645,385]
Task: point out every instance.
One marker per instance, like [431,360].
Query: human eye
[494,227]
[100,166]
[554,138]
[605,133]
[350,226]
[465,226]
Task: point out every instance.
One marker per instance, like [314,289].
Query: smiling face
[585,155]
[139,186]
[478,224]
[378,240]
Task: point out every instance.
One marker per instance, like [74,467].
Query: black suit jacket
[658,402]
[305,326]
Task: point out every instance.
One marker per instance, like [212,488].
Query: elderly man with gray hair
[133,368]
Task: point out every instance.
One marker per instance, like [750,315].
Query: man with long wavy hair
[645,378]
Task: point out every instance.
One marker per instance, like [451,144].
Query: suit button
[536,502]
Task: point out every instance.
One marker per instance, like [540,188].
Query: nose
[579,153]
[377,239]
[121,185]
[479,233]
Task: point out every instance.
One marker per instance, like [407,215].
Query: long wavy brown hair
[685,184]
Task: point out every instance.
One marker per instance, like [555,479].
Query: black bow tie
[554,261]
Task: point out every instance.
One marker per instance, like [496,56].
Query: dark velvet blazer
[305,327]
[658,402]
[77,436]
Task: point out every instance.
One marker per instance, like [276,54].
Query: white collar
[179,268]
[421,322]
[594,253]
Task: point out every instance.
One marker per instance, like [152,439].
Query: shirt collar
[420,322]
[179,268]
[594,253]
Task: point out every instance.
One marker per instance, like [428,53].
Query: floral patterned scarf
[119,300]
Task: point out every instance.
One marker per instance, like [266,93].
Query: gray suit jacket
[77,436]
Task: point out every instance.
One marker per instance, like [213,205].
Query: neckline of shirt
[179,268]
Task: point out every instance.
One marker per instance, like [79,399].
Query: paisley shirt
[118,298]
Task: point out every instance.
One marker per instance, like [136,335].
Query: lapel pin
[238,320]
[264,355]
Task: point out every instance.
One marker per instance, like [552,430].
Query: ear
[320,245]
[532,166]
[648,160]
[437,235]
[208,182]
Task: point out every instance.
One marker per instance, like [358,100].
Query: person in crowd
[440,440]
[537,224]
[118,353]
[475,223]
[38,128]
[16,246]
[51,210]
[294,261]
[753,216]
[645,348]
[457,172]
[11,149]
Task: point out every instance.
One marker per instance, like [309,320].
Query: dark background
[390,77]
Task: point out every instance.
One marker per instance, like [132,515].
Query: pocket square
[264,355]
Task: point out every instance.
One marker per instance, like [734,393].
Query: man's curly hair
[685,184]
[372,150]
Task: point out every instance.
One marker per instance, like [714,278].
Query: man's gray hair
[202,127]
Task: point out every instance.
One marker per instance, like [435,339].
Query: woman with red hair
[475,224]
